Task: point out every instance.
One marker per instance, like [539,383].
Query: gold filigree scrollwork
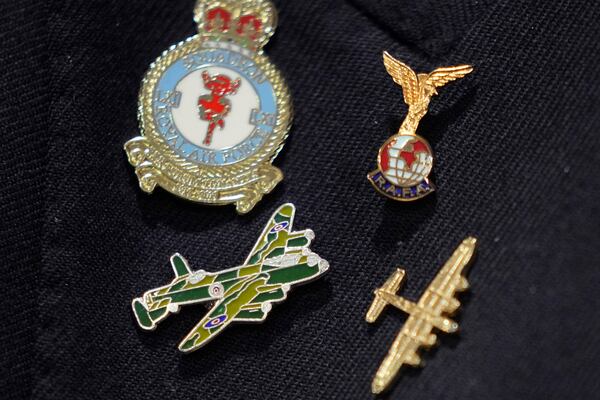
[245,182]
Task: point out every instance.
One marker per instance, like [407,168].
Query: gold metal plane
[432,311]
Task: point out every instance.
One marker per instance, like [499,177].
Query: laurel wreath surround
[243,183]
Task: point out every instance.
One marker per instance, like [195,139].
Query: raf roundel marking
[213,323]
[280,227]
[216,290]
[277,262]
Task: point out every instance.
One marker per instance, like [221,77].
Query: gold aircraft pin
[406,159]
[432,311]
[214,111]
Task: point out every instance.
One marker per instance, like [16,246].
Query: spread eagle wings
[440,76]
[404,76]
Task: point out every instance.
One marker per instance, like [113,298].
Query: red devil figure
[214,107]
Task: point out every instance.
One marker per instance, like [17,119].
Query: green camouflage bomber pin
[279,260]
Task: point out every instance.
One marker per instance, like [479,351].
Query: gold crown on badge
[249,23]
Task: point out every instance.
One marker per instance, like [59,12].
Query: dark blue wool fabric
[518,163]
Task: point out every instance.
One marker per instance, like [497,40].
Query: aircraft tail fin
[180,265]
[143,316]
[392,285]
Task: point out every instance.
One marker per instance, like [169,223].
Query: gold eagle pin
[214,111]
[405,160]
[431,312]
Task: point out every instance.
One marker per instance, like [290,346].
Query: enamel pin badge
[213,111]
[432,311]
[405,160]
[280,260]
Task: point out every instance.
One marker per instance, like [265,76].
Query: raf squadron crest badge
[280,259]
[213,111]
[406,159]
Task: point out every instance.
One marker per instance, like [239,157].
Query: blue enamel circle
[246,118]
[213,323]
[280,226]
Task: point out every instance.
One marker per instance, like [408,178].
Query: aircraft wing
[247,301]
[277,237]
[403,351]
[440,296]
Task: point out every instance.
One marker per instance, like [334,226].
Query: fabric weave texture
[517,149]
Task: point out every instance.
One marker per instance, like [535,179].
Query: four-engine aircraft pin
[280,260]
[432,311]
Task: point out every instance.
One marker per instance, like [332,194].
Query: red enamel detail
[247,22]
[384,157]
[410,156]
[214,107]
[222,16]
